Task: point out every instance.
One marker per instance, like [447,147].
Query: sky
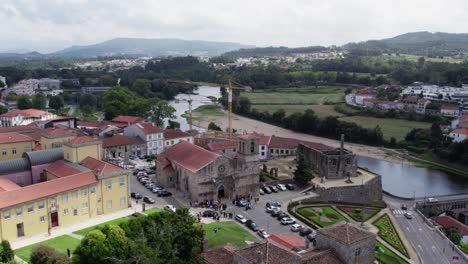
[51,25]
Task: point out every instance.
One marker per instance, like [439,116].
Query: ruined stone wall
[364,249]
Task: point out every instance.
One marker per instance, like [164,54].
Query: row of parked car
[251,225]
[268,189]
[151,185]
[274,209]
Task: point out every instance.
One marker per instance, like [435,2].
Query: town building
[54,137]
[12,145]
[153,136]
[95,89]
[18,117]
[460,122]
[128,120]
[282,147]
[448,222]
[174,136]
[224,147]
[125,147]
[415,104]
[58,187]
[450,110]
[49,84]
[459,134]
[263,144]
[204,175]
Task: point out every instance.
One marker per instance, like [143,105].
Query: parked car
[136,195]
[156,189]
[432,200]
[209,213]
[170,208]
[164,193]
[274,189]
[261,192]
[262,233]
[290,187]
[242,203]
[305,231]
[281,187]
[251,224]
[149,200]
[408,215]
[282,215]
[275,212]
[273,204]
[403,207]
[266,190]
[311,236]
[287,221]
[296,227]
[241,219]
[269,209]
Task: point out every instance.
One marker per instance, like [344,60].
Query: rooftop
[14,138]
[128,119]
[8,185]
[88,124]
[100,167]
[149,128]
[82,140]
[121,140]
[62,168]
[175,133]
[450,222]
[262,139]
[188,155]
[58,131]
[29,113]
[463,131]
[287,241]
[220,145]
[346,233]
[362,177]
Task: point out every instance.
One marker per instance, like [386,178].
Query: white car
[270,209]
[432,200]
[241,219]
[296,227]
[262,233]
[287,221]
[170,208]
[408,215]
[281,187]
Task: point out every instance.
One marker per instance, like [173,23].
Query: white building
[263,142]
[18,117]
[3,80]
[459,134]
[174,136]
[153,136]
[450,110]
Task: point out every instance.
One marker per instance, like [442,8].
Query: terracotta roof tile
[450,222]
[99,167]
[218,255]
[14,138]
[345,233]
[26,113]
[188,155]
[322,256]
[287,241]
[128,119]
[175,133]
[58,131]
[462,131]
[262,139]
[449,107]
[149,128]
[121,140]
[220,145]
[273,253]
[82,140]
[61,169]
[292,143]
[88,124]
[45,189]
[8,185]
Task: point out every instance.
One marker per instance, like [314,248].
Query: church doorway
[221,191]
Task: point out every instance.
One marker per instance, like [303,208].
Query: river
[403,180]
[399,179]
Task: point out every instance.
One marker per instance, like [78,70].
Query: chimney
[259,258]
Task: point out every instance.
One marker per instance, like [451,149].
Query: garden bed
[61,244]
[385,255]
[388,233]
[359,214]
[322,216]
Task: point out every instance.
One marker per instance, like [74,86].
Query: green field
[416,58]
[384,255]
[117,221]
[297,96]
[359,214]
[61,244]
[227,232]
[397,128]
[320,110]
[328,212]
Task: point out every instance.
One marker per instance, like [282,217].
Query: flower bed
[359,214]
[329,213]
[388,233]
[386,256]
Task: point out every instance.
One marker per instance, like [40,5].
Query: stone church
[206,175]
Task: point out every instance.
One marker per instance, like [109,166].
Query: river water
[399,179]
[403,180]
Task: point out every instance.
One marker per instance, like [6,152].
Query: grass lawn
[388,233]
[227,232]
[296,96]
[359,214]
[208,113]
[153,210]
[328,212]
[384,255]
[61,243]
[397,128]
[320,110]
[117,221]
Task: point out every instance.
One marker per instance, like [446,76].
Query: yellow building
[75,150]
[71,193]
[54,137]
[12,145]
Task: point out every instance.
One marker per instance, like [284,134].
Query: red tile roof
[175,133]
[61,169]
[462,131]
[449,107]
[14,138]
[45,189]
[449,222]
[82,140]
[128,119]
[28,130]
[149,128]
[88,124]
[58,131]
[288,241]
[220,145]
[188,155]
[99,167]
[25,113]
[292,143]
[8,185]
[346,233]
[262,139]
[121,140]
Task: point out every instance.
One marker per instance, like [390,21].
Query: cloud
[48,25]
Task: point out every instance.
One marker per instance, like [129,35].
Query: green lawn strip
[321,111]
[117,221]
[61,244]
[385,255]
[152,211]
[388,233]
[327,211]
[356,212]
[227,232]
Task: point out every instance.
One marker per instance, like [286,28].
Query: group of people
[216,205]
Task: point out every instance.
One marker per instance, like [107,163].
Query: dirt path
[247,125]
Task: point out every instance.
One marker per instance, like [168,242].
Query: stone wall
[358,252]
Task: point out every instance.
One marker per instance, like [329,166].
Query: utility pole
[230,110]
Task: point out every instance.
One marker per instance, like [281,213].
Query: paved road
[428,244]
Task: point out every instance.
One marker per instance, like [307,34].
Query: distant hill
[272,51]
[151,47]
[418,43]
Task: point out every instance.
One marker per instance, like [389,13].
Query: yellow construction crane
[189,101]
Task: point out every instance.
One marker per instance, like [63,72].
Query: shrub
[7,253]
[44,254]
[333,216]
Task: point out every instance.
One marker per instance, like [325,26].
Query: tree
[39,101]
[118,101]
[88,103]
[56,102]
[2,84]
[454,235]
[44,254]
[142,87]
[3,109]
[159,110]
[436,135]
[244,105]
[302,174]
[7,253]
[24,102]
[214,126]
[92,249]
[173,124]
